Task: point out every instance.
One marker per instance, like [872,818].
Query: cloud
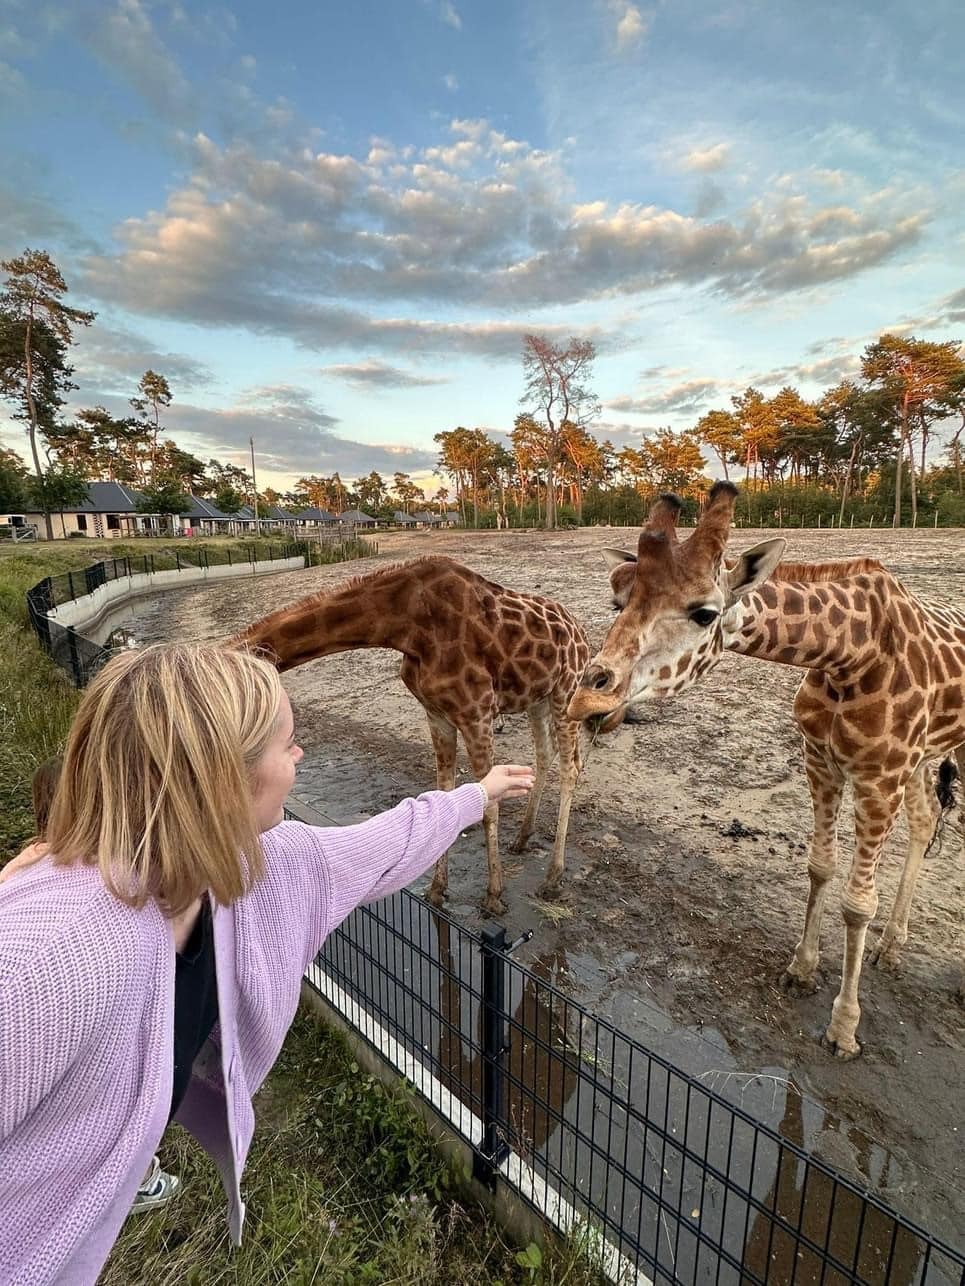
[12,83]
[125,41]
[825,372]
[303,243]
[293,434]
[114,359]
[949,311]
[28,218]
[380,375]
[631,24]
[449,15]
[684,399]
[707,158]
[450,82]
[710,199]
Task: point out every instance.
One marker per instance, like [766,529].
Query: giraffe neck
[356,615]
[835,626]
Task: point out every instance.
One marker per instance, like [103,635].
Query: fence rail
[81,657]
[662,1179]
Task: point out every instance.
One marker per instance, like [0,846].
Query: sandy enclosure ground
[686,863]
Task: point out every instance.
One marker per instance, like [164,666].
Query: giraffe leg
[874,816]
[571,765]
[922,810]
[960,761]
[827,786]
[479,746]
[539,722]
[443,735]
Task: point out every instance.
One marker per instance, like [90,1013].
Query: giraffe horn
[663,515]
[713,527]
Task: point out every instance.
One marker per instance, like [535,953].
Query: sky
[329,225]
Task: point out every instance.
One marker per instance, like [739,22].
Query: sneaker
[157,1189]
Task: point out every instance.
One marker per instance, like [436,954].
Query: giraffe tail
[945,784]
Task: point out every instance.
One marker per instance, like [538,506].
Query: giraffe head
[674,598]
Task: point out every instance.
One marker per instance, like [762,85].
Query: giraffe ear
[617,557]
[753,567]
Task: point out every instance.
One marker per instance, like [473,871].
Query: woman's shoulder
[50,912]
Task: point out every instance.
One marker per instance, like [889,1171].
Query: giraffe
[472,651]
[883,693]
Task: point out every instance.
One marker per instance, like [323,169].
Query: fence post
[38,615]
[74,658]
[493,1150]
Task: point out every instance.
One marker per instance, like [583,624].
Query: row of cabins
[111,510]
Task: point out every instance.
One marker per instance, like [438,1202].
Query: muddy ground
[686,863]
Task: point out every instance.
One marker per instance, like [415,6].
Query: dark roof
[452,515]
[399,516]
[201,508]
[275,513]
[315,515]
[106,498]
[355,515]
[425,516]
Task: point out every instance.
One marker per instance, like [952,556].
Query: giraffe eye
[704,616]
[617,607]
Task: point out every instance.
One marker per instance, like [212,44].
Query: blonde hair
[157,776]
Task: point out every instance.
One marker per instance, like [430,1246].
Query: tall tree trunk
[33,422]
[896,522]
[846,487]
[911,482]
[957,454]
[550,491]
[924,444]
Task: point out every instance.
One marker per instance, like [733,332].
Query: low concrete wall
[86,612]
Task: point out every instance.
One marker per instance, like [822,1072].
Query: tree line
[859,450]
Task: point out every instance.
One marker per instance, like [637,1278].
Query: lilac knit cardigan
[87,1024]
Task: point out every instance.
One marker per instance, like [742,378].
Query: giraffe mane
[810,573]
[352,582]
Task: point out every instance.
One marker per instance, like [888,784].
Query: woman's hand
[507,781]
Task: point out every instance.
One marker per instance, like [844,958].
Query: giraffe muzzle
[596,699]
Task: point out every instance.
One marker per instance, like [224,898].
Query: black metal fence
[80,656]
[661,1179]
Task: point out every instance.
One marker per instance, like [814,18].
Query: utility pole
[254,486]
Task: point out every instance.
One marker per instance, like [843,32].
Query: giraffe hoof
[494,905]
[519,845]
[797,987]
[436,897]
[840,1051]
[886,957]
[550,892]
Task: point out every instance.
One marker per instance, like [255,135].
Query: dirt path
[687,861]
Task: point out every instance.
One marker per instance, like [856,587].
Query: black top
[195,1001]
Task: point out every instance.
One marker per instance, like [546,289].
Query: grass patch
[344,1187]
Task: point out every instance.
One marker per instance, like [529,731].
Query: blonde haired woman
[166,843]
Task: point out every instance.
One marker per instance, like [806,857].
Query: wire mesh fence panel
[658,1177]
[82,657]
